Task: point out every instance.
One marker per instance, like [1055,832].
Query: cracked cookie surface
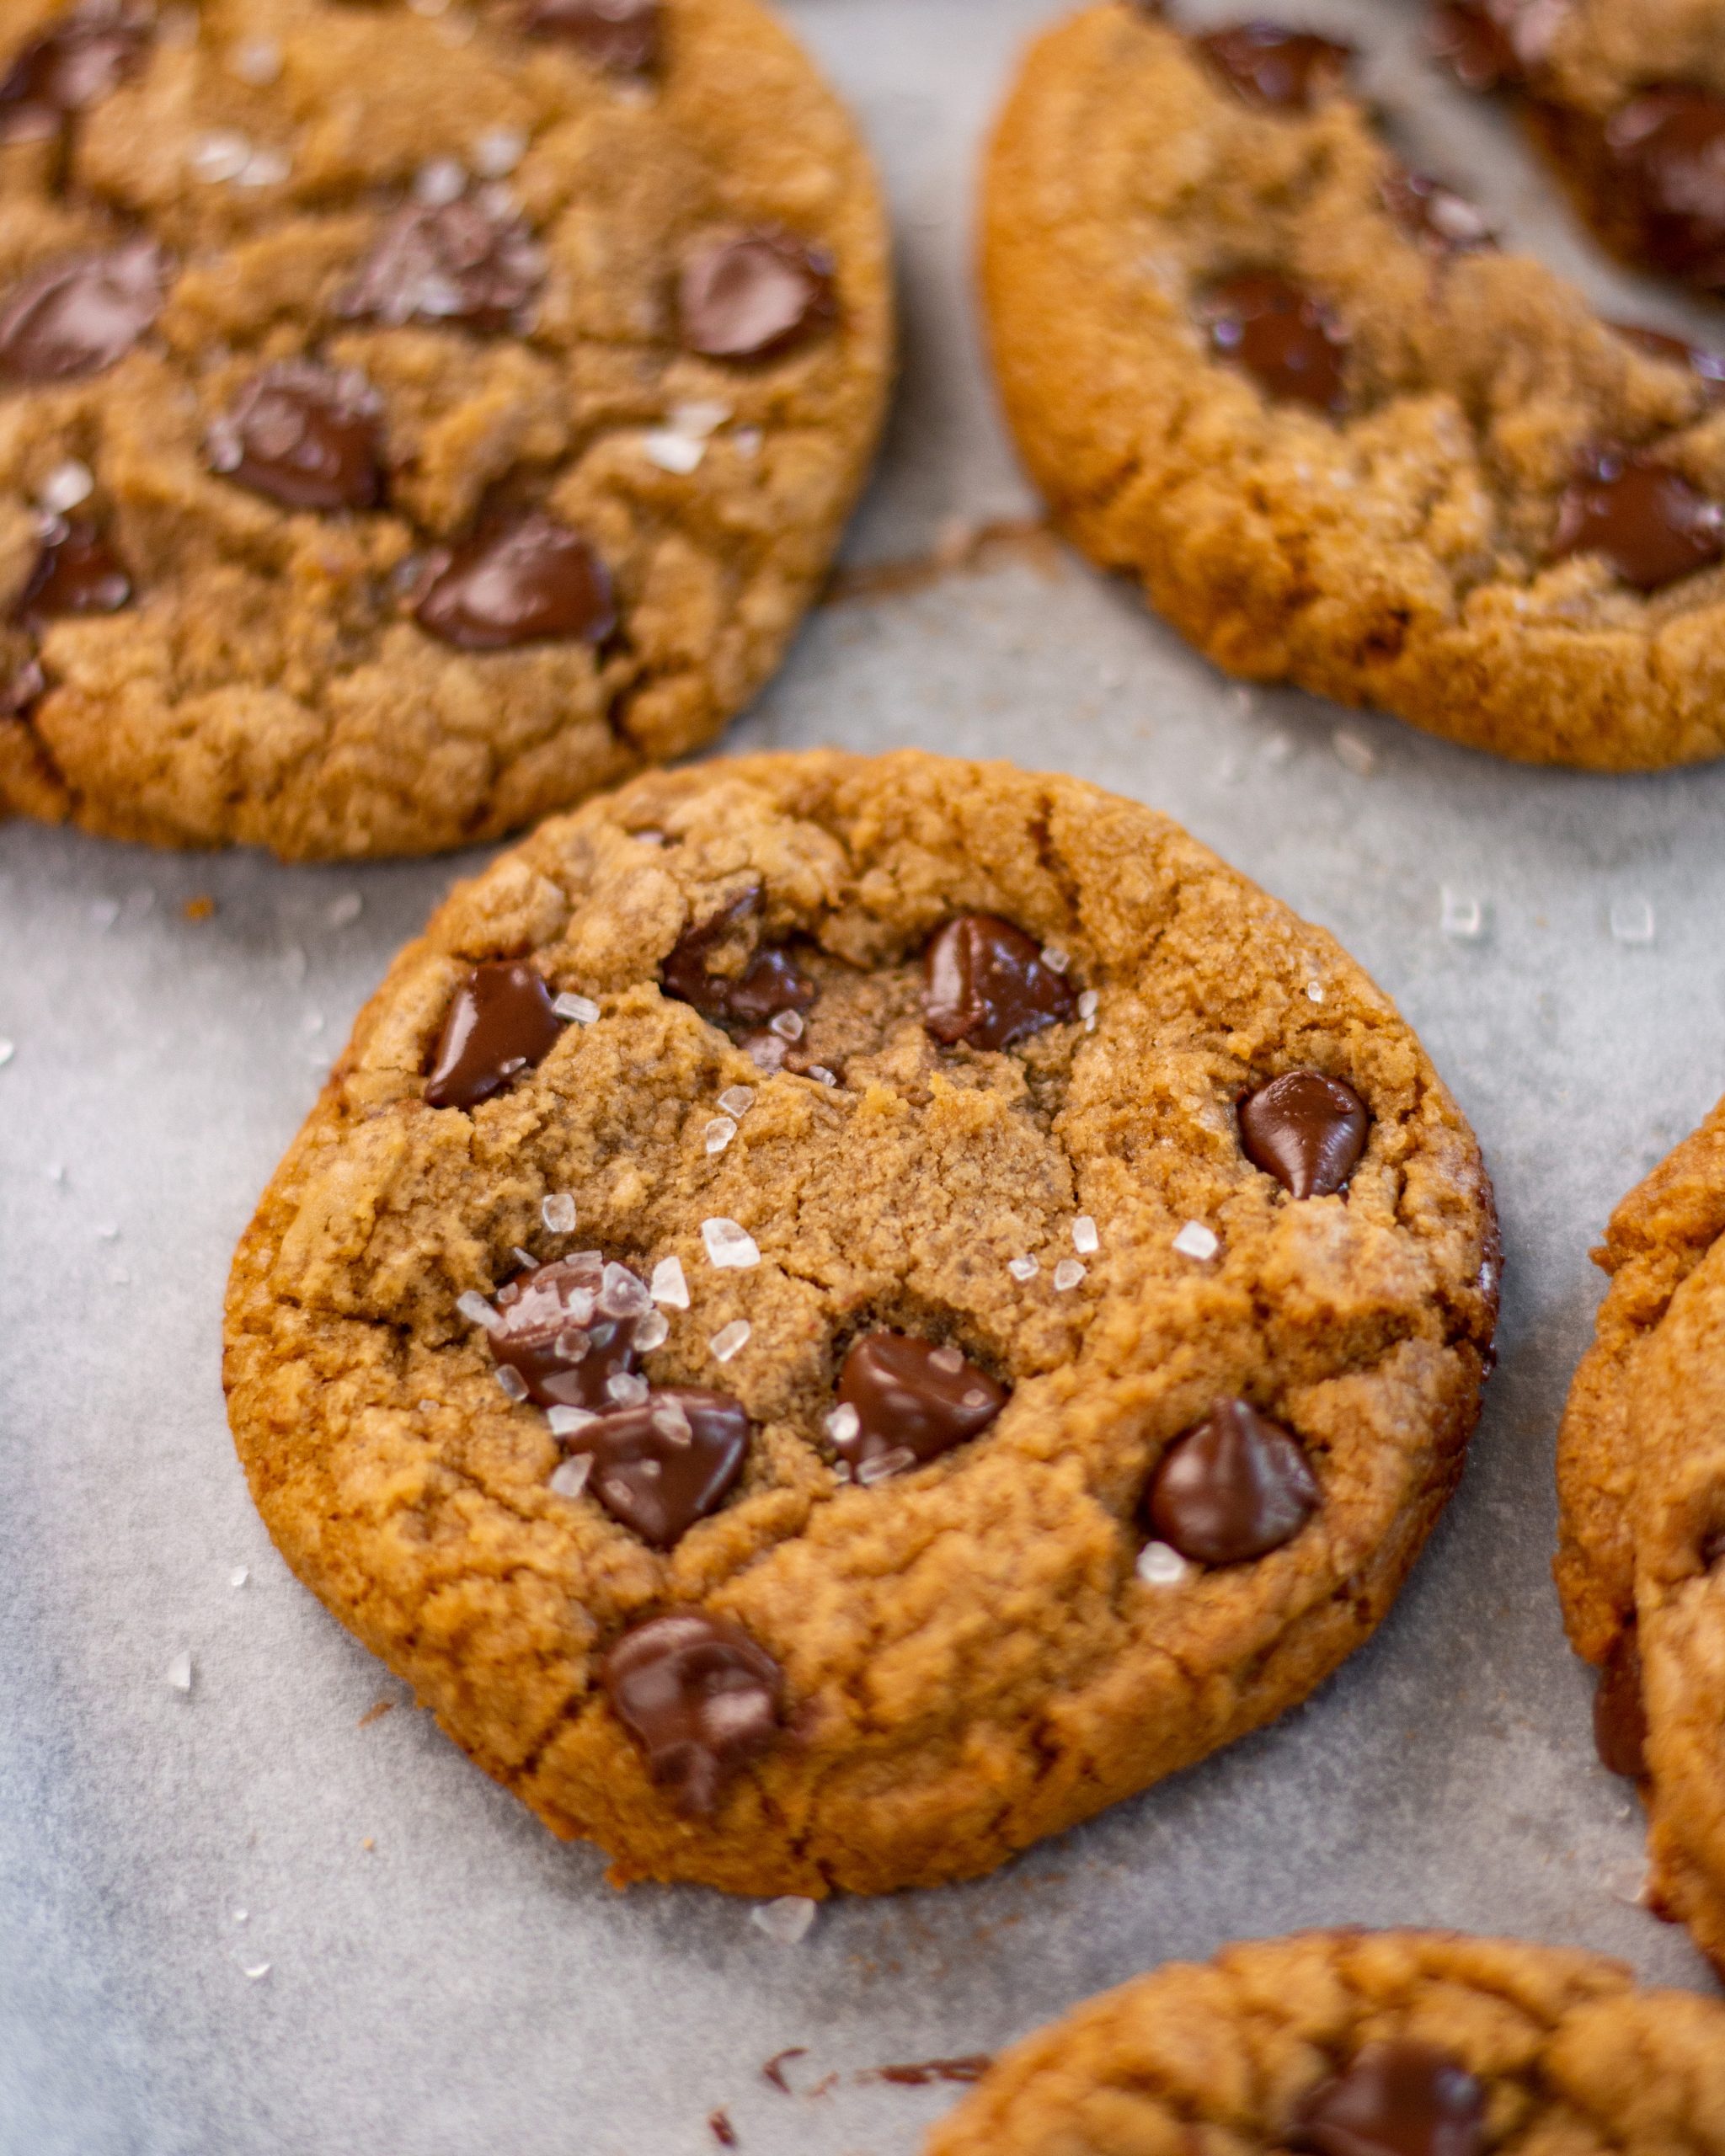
[462,407]
[1429,2043]
[1641,1476]
[1336,436]
[960,1216]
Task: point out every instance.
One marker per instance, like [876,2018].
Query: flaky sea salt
[510,1383]
[7,1050]
[668,1284]
[239,1575]
[884,1465]
[1085,1240]
[65,486]
[737,1100]
[1160,1565]
[257,61]
[673,452]
[786,1921]
[621,1294]
[265,168]
[844,1423]
[821,1075]
[948,1361]
[1194,1240]
[1022,1269]
[671,1421]
[178,1672]
[651,1331]
[221,155]
[729,1340]
[439,183]
[1353,753]
[1314,991]
[729,1244]
[255,1972]
[568,1479]
[1055,959]
[344,910]
[625,1389]
[1632,920]
[699,417]
[1086,1009]
[1067,1275]
[788,1024]
[565,1421]
[1459,913]
[718,1134]
[579,1010]
[557,1209]
[499,151]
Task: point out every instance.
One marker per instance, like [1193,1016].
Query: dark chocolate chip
[1435,216]
[530,581]
[1307,1130]
[622,36]
[1235,1488]
[303,434]
[1619,1710]
[76,572]
[1404,2098]
[699,1698]
[76,63]
[1277,70]
[1281,335]
[1649,524]
[1474,45]
[661,1465]
[902,1400]
[453,262]
[987,983]
[77,316]
[500,1023]
[1709,367]
[768,983]
[567,1330]
[754,298]
[1663,158]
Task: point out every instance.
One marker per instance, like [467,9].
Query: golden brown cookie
[841,1313]
[1338,437]
[1640,1474]
[411,419]
[1356,2043]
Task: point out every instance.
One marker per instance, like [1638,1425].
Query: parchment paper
[444,1979]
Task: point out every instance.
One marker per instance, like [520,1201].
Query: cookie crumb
[200,908]
[375,1712]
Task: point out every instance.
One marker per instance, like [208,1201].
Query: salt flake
[499,151]
[737,1100]
[729,1244]
[1460,915]
[718,1134]
[729,1340]
[1194,1240]
[651,1331]
[178,1672]
[510,1383]
[557,1209]
[844,1423]
[570,1478]
[239,1575]
[473,1306]
[1632,919]
[65,486]
[1085,1240]
[7,1050]
[1067,1275]
[668,1284]
[347,908]
[566,1421]
[579,1010]
[1354,753]
[1022,1269]
[1160,1565]
[786,1921]
[673,452]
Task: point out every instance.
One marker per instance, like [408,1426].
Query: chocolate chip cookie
[839,1314]
[411,418]
[1295,390]
[1357,2043]
[1640,1474]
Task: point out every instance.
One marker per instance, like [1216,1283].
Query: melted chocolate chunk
[769,982]
[1619,1710]
[1663,158]
[76,63]
[76,572]
[1436,217]
[500,1023]
[77,316]
[530,581]
[622,36]
[986,983]
[1307,1130]
[1235,1488]
[699,1697]
[303,434]
[1283,338]
[1404,2098]
[754,298]
[1475,46]
[664,1463]
[908,1400]
[1709,367]
[567,1329]
[1276,69]
[1646,520]
[449,262]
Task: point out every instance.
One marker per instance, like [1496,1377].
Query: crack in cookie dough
[946,1584]
[356,334]
[1640,1474]
[1509,528]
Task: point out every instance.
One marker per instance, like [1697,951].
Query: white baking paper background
[235,1919]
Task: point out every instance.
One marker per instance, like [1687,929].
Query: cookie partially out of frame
[1354,2043]
[1640,1474]
[411,419]
[839,1314]
[1292,388]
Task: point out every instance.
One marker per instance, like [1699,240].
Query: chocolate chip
[620,36]
[1712,1548]
[568,1329]
[75,572]
[1619,1710]
[1280,333]
[1404,2098]
[902,1400]
[1477,48]
[500,1023]
[530,581]
[448,262]
[1709,367]
[1307,1130]
[1235,1487]
[1648,523]
[754,298]
[303,434]
[768,983]
[1664,172]
[987,983]
[661,1465]
[77,316]
[1434,216]
[1276,69]
[80,60]
[699,1698]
